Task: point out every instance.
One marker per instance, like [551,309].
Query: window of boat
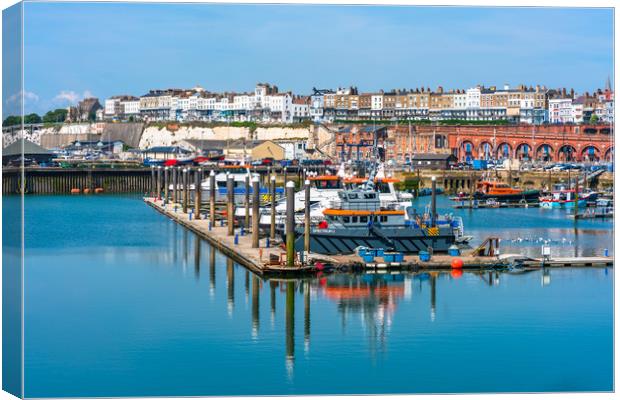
[353,195]
[383,187]
[383,218]
[375,218]
[369,195]
[364,219]
[346,219]
[354,220]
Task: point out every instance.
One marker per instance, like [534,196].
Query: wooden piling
[152,179]
[307,219]
[576,197]
[247,203]
[186,183]
[175,185]
[230,204]
[212,197]
[272,230]
[471,190]
[159,182]
[255,211]
[290,224]
[197,193]
[166,184]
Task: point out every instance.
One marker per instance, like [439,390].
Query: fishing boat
[563,198]
[358,219]
[504,193]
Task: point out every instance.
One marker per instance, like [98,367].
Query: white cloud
[29,97]
[70,96]
[67,96]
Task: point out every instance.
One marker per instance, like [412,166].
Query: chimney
[538,88]
[572,93]
[439,89]
[564,92]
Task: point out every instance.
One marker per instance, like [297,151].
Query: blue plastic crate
[368,257]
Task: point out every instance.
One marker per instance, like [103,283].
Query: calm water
[120,302]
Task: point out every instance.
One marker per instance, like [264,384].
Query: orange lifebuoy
[86,191]
[98,190]
[75,191]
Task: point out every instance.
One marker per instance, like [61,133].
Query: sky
[73,50]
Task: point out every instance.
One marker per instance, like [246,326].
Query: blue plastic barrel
[424,256]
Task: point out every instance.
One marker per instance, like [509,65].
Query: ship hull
[528,195]
[345,241]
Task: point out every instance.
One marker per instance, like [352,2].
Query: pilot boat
[504,193]
[357,218]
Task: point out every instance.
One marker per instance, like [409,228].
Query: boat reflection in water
[367,304]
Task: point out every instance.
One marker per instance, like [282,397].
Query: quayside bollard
[230,208]
[255,211]
[246,221]
[290,224]
[212,197]
[166,184]
[307,220]
[197,193]
[175,186]
[272,190]
[159,183]
[185,181]
[433,201]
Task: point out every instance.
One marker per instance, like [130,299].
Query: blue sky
[72,50]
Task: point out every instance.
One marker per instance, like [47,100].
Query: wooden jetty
[260,260]
[265,260]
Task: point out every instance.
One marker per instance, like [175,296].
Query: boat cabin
[495,188]
[360,208]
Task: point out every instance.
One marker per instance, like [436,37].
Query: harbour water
[120,301]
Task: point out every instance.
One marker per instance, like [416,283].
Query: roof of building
[16,148]
[213,144]
[372,129]
[166,149]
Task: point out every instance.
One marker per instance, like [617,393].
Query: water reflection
[371,299]
[197,246]
[290,328]
[255,305]
[211,270]
[230,286]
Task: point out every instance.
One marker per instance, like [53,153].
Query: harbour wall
[62,181]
